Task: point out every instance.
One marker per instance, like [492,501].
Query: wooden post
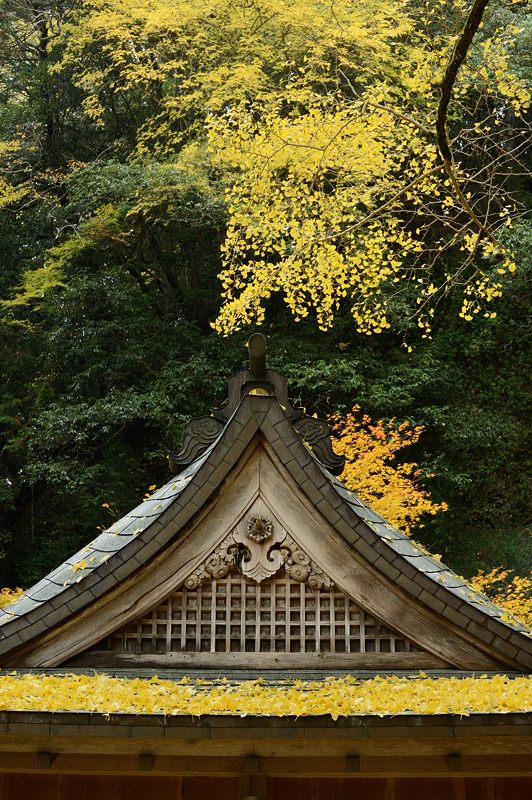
[352,763]
[454,762]
[45,760]
[251,764]
[146,762]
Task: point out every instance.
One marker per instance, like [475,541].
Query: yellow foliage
[324,141]
[79,565]
[10,194]
[338,697]
[324,177]
[9,596]
[513,593]
[370,449]
[11,191]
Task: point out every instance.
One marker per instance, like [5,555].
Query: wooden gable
[264,590]
[255,555]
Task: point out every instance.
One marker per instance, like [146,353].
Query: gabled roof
[255,412]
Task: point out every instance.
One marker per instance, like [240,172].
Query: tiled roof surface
[137,537]
[95,563]
[423,562]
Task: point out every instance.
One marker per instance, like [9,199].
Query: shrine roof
[304,450]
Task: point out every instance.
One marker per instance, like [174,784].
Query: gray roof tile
[425,564]
[98,552]
[387,532]
[368,515]
[404,546]
[43,590]
[107,543]
[352,498]
[449,579]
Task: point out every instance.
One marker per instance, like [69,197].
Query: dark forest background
[101,370]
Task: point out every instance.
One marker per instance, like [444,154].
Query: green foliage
[113,214]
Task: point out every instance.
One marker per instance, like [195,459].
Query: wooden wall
[88,787]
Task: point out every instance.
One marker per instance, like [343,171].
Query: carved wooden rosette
[259,549]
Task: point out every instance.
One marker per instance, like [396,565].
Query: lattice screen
[237,615]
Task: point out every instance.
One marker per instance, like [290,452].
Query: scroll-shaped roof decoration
[256,478]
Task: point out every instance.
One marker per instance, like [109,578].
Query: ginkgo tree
[350,190]
[365,161]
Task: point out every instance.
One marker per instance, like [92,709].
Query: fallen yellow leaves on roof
[346,696]
[9,596]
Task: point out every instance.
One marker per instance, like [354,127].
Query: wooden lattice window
[236,615]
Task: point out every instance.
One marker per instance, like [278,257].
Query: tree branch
[458,57]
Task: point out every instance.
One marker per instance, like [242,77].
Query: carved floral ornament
[259,528]
[259,549]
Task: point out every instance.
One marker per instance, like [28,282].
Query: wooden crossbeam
[309,766]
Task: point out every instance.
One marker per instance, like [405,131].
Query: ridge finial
[257,355]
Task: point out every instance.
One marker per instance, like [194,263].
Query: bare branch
[458,57]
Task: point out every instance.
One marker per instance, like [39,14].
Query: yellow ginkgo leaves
[512,592]
[9,596]
[82,564]
[347,696]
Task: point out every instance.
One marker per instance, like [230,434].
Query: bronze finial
[257,355]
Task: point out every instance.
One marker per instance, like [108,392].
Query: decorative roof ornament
[259,529]
[202,432]
[259,549]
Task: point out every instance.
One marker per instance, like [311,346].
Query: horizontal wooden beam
[367,766]
[100,659]
[288,741]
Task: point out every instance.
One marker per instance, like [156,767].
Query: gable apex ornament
[258,541]
[259,529]
[202,432]
[258,548]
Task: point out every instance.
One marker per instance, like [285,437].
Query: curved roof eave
[136,538]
